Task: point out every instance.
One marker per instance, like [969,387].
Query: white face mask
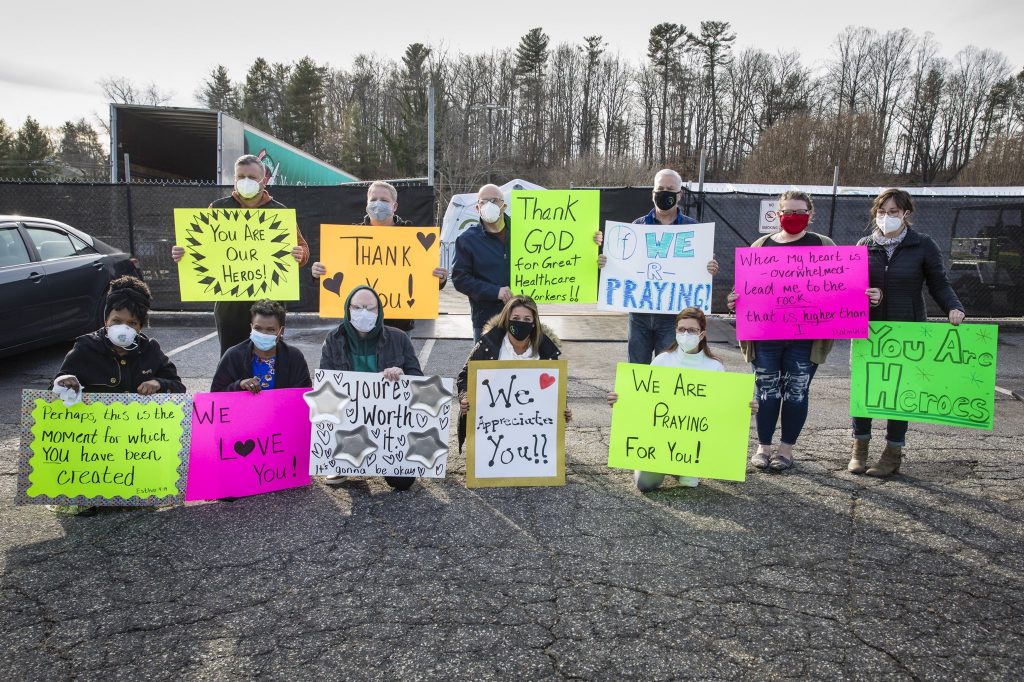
[687,341]
[888,224]
[247,188]
[121,335]
[379,210]
[363,320]
[490,213]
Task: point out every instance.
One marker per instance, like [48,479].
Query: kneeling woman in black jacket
[362,343]
[901,261]
[264,361]
[513,334]
[119,358]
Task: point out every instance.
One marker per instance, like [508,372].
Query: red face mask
[794,223]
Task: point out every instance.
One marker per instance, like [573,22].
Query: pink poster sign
[801,292]
[245,444]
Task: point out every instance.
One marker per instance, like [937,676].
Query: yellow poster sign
[237,254]
[397,262]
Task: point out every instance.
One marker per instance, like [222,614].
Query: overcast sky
[55,52]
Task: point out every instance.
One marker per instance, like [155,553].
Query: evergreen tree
[219,93]
[304,106]
[259,104]
[531,61]
[663,48]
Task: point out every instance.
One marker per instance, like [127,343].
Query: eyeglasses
[496,202]
[368,308]
[895,213]
[797,211]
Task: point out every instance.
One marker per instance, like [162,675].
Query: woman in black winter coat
[515,333]
[901,262]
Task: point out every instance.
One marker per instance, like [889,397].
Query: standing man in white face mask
[481,269]
[381,211]
[250,191]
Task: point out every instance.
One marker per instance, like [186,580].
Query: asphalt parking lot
[813,573]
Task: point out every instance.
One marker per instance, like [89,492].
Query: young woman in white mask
[901,261]
[690,351]
[116,358]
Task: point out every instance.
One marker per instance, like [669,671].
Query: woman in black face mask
[513,334]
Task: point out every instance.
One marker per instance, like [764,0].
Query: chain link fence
[980,237]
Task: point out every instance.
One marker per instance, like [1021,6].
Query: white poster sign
[656,268]
[769,219]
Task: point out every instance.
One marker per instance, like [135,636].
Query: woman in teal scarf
[363,343]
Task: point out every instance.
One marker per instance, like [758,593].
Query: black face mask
[520,330]
[665,199]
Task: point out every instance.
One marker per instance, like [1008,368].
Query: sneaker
[688,481]
[760,459]
[334,480]
[71,510]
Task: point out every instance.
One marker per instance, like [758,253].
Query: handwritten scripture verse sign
[237,254]
[245,444]
[801,292]
[515,428]
[118,449]
[681,421]
[398,262]
[554,256]
[925,372]
[656,268]
[366,425]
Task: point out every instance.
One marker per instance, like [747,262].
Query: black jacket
[290,370]
[394,349]
[916,261]
[489,348]
[481,269]
[99,369]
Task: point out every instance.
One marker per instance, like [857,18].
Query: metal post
[835,190]
[128,203]
[113,146]
[489,162]
[700,188]
[430,135]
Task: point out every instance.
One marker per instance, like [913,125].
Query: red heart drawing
[546,380]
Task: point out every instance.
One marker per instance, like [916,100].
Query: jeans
[649,334]
[782,380]
[895,430]
[477,333]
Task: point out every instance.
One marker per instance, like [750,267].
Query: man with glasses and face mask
[250,191]
[381,211]
[652,333]
[481,269]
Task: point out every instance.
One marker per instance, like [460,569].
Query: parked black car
[53,281]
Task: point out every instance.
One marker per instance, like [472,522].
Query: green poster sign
[109,449]
[554,257]
[237,254]
[289,166]
[925,372]
[681,421]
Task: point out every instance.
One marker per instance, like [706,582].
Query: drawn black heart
[399,455]
[389,459]
[420,471]
[375,432]
[319,375]
[324,437]
[370,459]
[350,412]
[439,469]
[333,284]
[245,448]
[443,423]
[427,240]
[401,439]
[421,420]
[410,302]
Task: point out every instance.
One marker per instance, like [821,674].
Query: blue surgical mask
[262,341]
[379,210]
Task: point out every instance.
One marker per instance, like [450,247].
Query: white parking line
[1003,390]
[424,355]
[191,344]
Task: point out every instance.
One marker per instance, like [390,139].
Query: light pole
[490,107]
